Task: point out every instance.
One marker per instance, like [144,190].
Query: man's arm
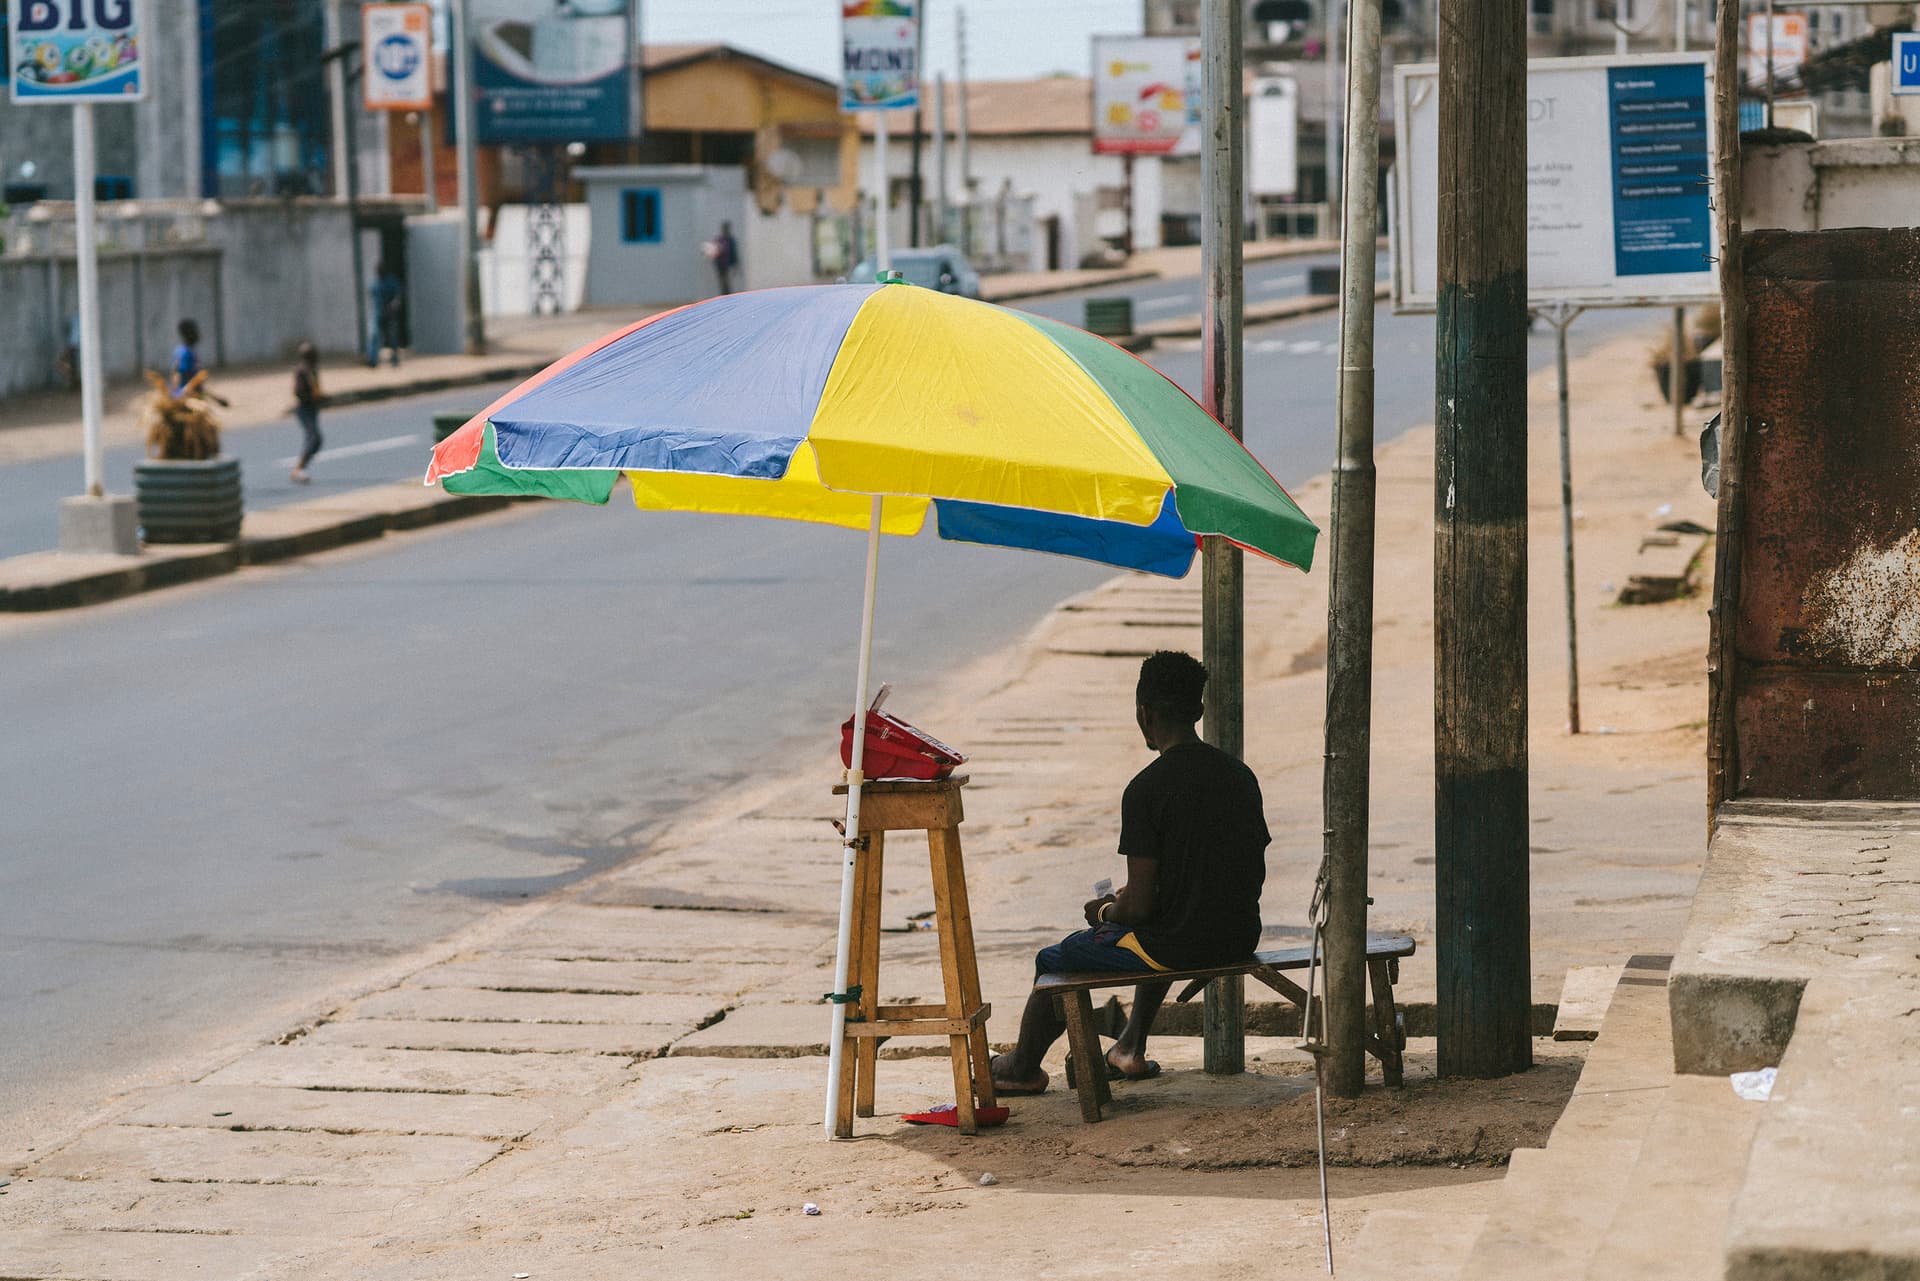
[1134,903]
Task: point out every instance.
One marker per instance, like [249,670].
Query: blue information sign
[560,75]
[1662,223]
[1906,62]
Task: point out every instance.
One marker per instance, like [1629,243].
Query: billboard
[563,75]
[1273,137]
[879,55]
[1619,210]
[75,51]
[1146,95]
[1789,46]
[397,42]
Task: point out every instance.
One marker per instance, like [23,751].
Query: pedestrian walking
[725,255]
[384,334]
[306,408]
[186,376]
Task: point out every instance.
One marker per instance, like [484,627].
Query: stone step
[1557,1202]
[1673,1224]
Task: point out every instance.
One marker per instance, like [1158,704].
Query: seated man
[1194,835]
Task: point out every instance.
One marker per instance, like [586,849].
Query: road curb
[41,581]
[439,382]
[1068,287]
[1262,314]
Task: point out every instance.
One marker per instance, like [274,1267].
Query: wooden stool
[912,806]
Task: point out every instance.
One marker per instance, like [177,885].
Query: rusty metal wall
[1827,699]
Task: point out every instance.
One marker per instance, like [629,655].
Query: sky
[1006,39]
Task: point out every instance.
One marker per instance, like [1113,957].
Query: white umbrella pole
[843,948]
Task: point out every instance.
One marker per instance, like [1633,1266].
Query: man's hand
[1092,909]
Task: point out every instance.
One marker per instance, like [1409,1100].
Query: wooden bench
[1385,1042]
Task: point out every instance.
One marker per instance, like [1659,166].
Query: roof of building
[668,56]
[1049,105]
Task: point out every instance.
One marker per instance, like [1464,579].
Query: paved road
[223,800]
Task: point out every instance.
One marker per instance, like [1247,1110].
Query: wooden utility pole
[1723,658]
[1349,728]
[1221,623]
[1480,544]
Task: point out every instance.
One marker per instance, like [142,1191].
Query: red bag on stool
[896,749]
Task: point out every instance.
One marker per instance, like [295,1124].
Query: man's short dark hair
[1172,683]
[189,330]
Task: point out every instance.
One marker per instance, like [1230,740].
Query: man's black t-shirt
[1196,812]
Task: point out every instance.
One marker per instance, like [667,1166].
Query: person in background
[384,333]
[306,408]
[186,375]
[726,256]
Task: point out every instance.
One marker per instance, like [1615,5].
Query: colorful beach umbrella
[865,406]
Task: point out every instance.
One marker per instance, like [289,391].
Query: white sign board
[68,51]
[1906,62]
[1273,132]
[1146,95]
[1618,162]
[397,42]
[879,55]
[1789,46]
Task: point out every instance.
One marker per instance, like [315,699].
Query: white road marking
[1163,304]
[1281,282]
[354,451]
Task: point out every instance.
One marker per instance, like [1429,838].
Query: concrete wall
[260,276]
[1851,182]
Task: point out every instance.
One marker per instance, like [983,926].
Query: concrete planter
[188,502]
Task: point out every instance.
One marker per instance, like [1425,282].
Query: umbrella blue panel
[1164,547]
[653,401]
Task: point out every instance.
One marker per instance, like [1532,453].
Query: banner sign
[397,42]
[879,55]
[66,51]
[565,75]
[1146,95]
[1273,137]
[1619,209]
[1789,46]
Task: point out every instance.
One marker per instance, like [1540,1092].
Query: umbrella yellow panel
[948,398]
[798,495]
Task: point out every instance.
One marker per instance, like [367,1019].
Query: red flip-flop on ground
[947,1114]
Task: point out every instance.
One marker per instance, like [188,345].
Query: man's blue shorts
[1095,949]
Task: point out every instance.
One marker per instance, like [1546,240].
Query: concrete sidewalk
[628,1076]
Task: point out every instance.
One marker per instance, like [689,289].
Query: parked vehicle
[941,267]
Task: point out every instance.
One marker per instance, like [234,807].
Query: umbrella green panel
[1219,488]
[489,476]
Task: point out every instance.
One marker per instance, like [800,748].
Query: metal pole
[1769,64]
[428,187]
[87,263]
[1222,634]
[469,178]
[913,181]
[331,35]
[1481,831]
[1679,351]
[940,159]
[1561,318]
[1333,116]
[1349,724]
[882,246]
[843,947]
[363,341]
[966,153]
